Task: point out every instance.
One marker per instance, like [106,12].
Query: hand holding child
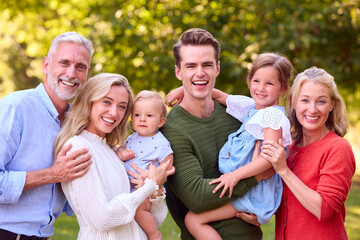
[274,152]
[138,177]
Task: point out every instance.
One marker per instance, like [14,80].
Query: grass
[353,210]
[66,228]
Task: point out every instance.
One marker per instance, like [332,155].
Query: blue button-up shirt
[29,125]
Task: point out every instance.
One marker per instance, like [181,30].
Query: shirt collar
[40,89]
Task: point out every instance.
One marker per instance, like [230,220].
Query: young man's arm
[188,182]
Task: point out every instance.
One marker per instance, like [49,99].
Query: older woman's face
[108,112]
[313,106]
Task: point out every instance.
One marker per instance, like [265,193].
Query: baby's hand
[228,181]
[125,154]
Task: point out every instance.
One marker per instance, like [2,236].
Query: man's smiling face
[198,70]
[67,69]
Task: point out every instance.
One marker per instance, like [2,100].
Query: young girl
[147,146]
[262,119]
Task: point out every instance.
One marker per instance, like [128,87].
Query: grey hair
[71,37]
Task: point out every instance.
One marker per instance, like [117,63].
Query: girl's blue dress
[264,198]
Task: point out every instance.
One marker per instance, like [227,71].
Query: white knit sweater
[101,199]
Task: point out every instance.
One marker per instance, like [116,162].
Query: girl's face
[265,87]
[108,112]
[146,117]
[313,106]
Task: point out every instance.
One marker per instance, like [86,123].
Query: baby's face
[146,117]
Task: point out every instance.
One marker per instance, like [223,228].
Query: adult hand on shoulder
[248,217]
[175,96]
[71,166]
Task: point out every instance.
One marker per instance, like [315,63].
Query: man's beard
[66,94]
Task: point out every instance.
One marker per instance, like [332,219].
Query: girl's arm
[257,165]
[219,96]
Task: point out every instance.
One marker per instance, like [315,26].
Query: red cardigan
[327,167]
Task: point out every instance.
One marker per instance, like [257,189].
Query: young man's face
[198,71]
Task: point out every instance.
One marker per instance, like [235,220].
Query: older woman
[101,199]
[317,175]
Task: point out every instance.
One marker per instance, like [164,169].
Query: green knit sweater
[196,143]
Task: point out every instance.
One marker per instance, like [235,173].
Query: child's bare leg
[198,226]
[146,221]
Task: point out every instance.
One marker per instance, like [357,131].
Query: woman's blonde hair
[78,117]
[337,120]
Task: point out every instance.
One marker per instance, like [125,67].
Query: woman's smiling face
[313,106]
[108,112]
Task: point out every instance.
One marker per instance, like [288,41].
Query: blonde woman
[101,199]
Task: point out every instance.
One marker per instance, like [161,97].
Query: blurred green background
[135,38]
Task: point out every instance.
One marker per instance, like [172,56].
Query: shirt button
[229,154]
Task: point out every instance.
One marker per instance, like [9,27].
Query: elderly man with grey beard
[30,199]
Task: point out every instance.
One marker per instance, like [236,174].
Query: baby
[147,146]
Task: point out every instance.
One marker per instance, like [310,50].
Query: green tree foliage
[135,38]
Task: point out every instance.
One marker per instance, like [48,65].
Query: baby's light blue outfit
[147,149]
[264,198]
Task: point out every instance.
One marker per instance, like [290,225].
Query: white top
[101,199]
[264,198]
[273,117]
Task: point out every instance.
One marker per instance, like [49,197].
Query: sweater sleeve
[87,197]
[336,171]
[188,182]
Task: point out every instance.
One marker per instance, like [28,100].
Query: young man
[197,129]
[30,199]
